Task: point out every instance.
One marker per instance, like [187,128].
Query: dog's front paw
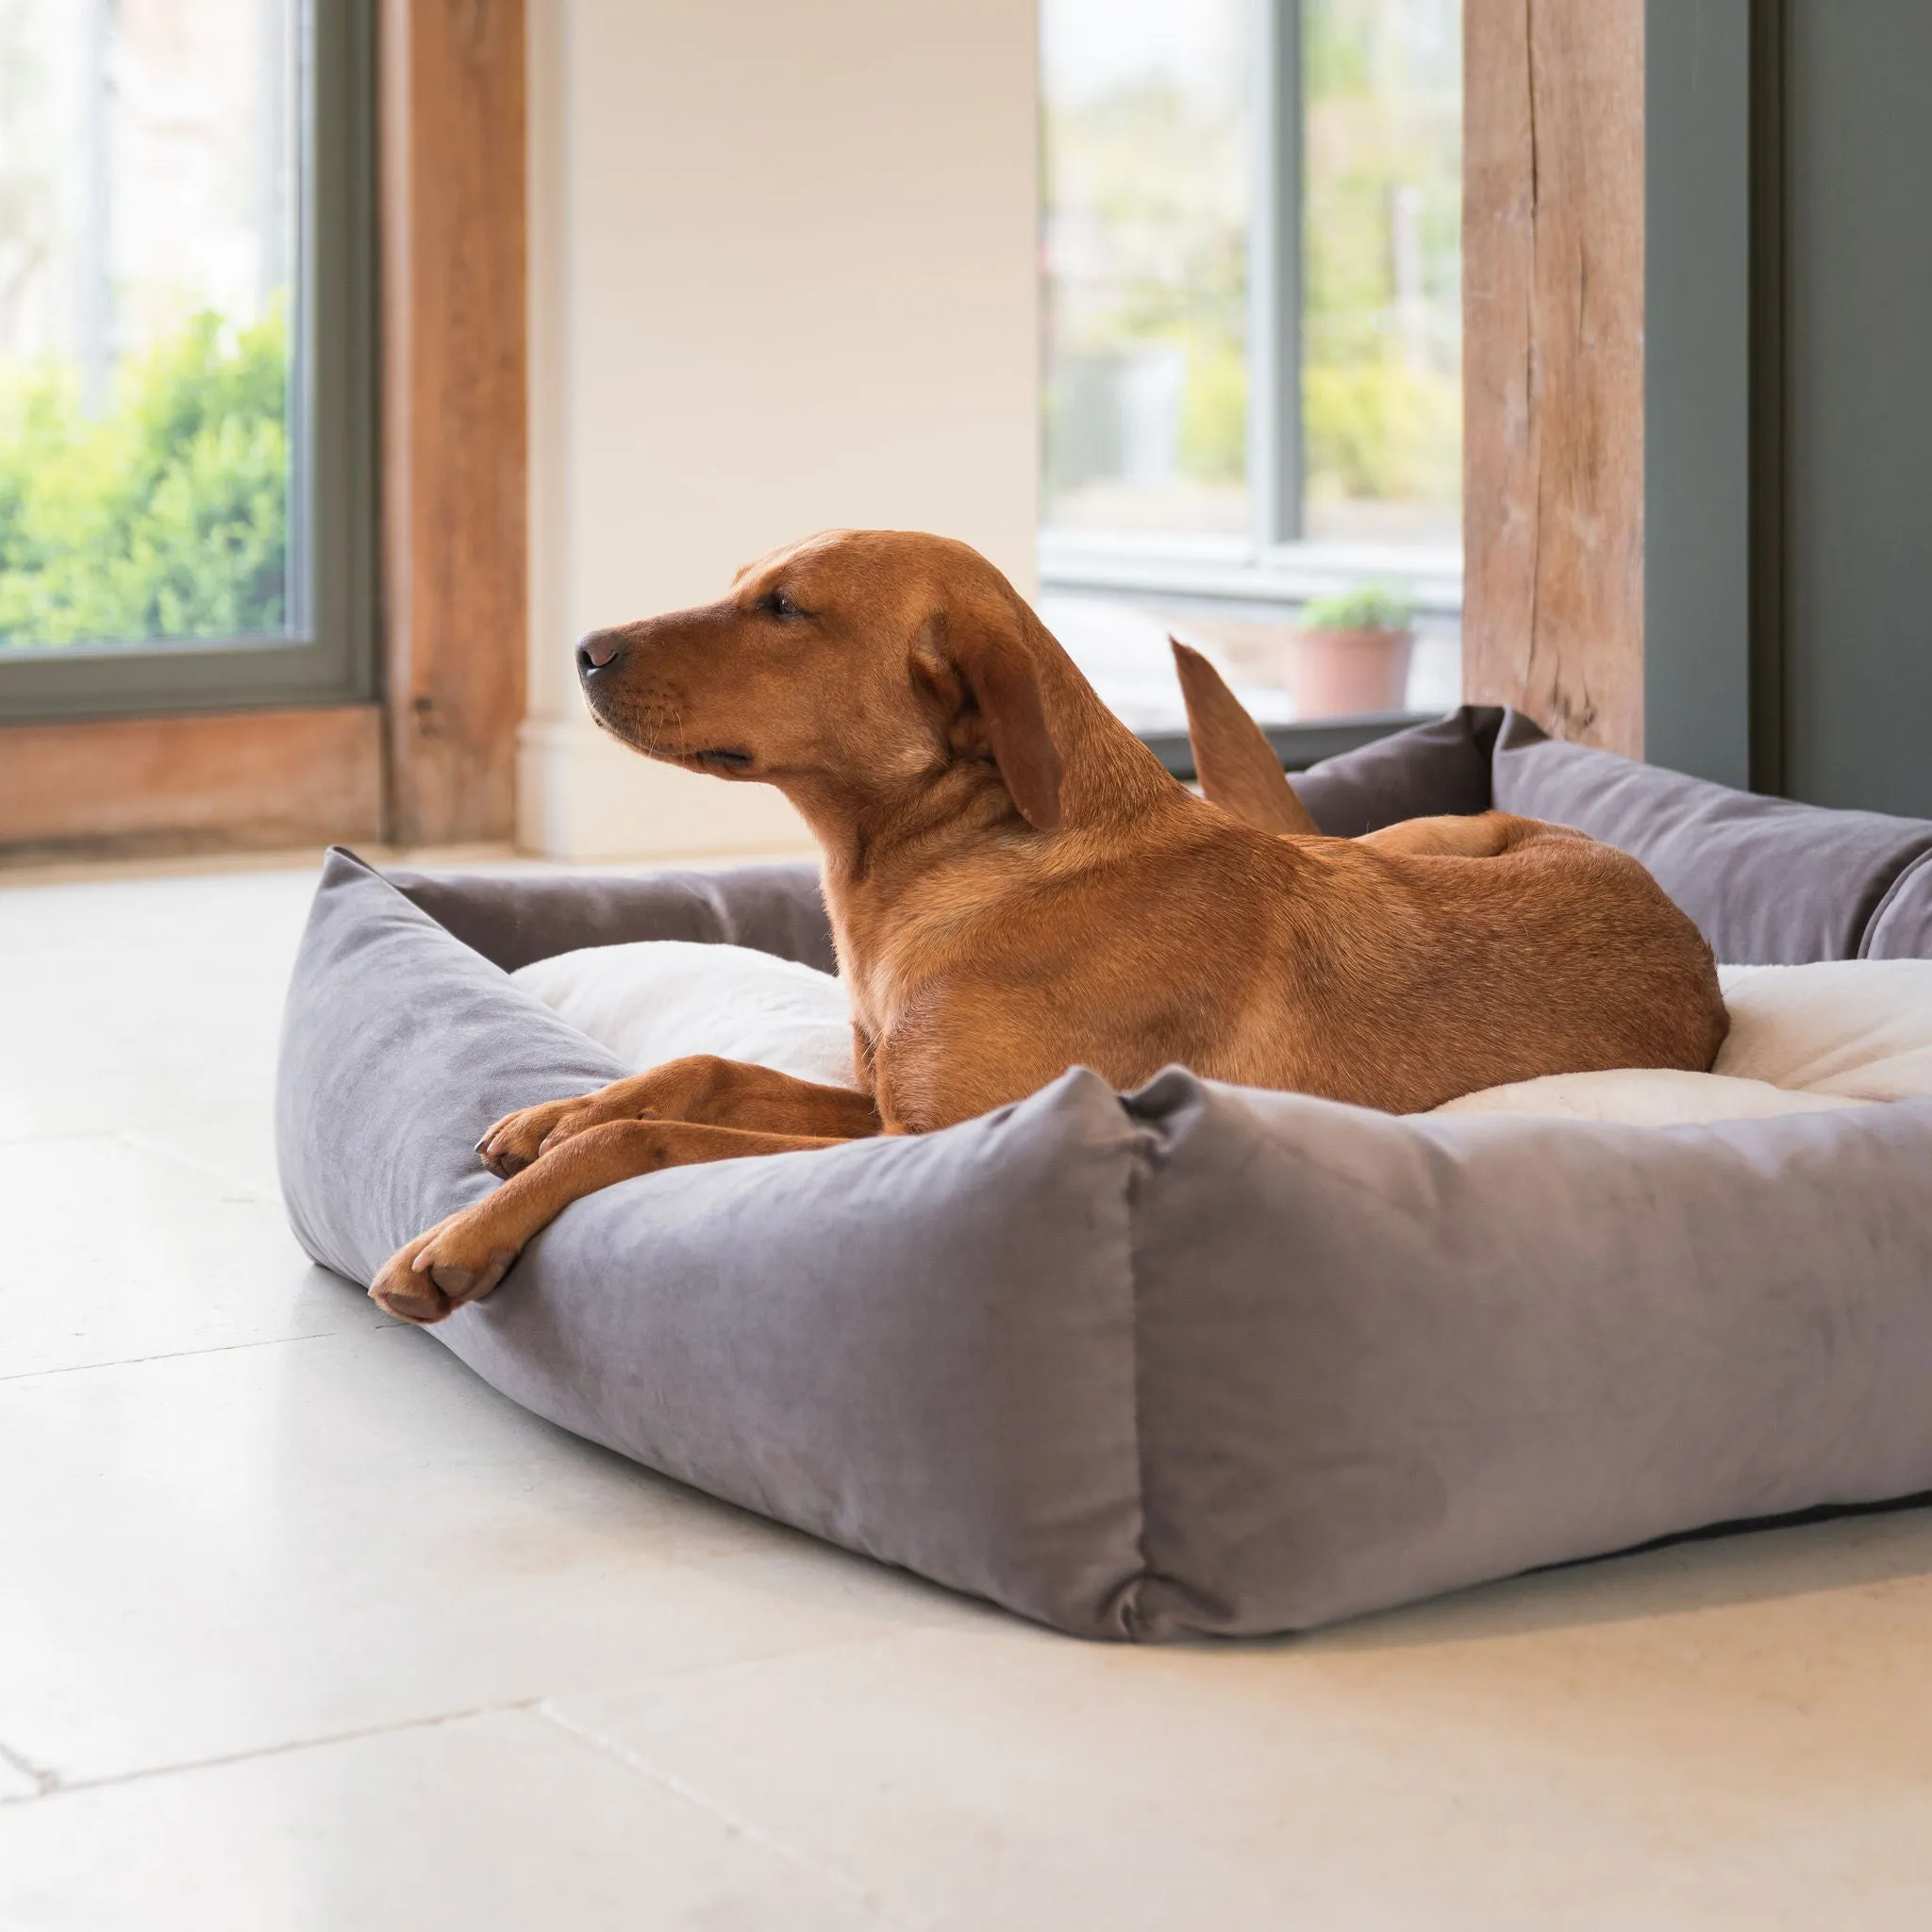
[437,1271]
[518,1138]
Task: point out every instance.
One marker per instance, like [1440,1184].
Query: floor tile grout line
[153,1142]
[55,1786]
[44,1780]
[734,1822]
[150,1140]
[176,1355]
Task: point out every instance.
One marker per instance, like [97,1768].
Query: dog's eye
[779,605]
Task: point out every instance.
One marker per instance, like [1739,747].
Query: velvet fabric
[513,921]
[1196,1359]
[1443,766]
[1381,1357]
[1770,882]
[919,1348]
[1901,928]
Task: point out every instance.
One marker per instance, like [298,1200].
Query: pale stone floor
[301,1625]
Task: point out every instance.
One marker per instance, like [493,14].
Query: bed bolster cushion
[1441,767]
[515,921]
[1901,928]
[919,1348]
[1770,882]
[1383,1357]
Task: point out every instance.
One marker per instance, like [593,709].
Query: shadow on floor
[1804,1553]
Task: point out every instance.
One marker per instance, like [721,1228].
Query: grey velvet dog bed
[1197,1359]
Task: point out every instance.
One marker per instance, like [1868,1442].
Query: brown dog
[1017,887]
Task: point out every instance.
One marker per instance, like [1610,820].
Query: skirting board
[582,796]
[205,781]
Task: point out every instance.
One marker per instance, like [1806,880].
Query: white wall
[781,278]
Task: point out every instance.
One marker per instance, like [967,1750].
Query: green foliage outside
[1380,430]
[1378,422]
[1214,413]
[1367,607]
[1381,411]
[1170,189]
[165,514]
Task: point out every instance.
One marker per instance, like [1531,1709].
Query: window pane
[1145,124]
[1382,262]
[148,223]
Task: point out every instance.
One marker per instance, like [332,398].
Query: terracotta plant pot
[1334,673]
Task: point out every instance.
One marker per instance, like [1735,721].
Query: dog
[1017,885]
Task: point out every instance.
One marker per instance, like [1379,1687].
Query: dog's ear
[1233,760]
[979,666]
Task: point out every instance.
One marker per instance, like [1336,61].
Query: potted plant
[1350,653]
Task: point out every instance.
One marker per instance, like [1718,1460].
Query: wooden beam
[1553,363]
[454,500]
[202,782]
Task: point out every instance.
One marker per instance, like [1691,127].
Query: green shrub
[1367,607]
[1214,414]
[163,516]
[1380,430]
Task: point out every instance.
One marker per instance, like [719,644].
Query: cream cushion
[657,1000]
[1803,1039]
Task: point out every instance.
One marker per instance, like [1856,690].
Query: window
[186,335]
[1252,395]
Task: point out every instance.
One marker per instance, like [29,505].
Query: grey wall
[1696,392]
[1788,491]
[1858,431]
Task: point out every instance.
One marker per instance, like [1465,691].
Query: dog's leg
[1233,760]
[1481,835]
[702,1087]
[461,1259]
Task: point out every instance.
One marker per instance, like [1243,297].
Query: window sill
[210,781]
[1229,570]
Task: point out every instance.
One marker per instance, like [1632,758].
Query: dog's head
[858,665]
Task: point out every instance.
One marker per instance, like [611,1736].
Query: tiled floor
[301,1626]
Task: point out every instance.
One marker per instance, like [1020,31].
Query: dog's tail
[1234,761]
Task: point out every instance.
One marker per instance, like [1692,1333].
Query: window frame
[332,488]
[1275,564]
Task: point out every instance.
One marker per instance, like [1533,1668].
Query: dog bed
[1803,1038]
[1197,1359]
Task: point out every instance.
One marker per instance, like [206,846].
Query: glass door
[186,338]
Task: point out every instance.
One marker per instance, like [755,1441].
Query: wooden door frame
[455,418]
[1553,305]
[433,759]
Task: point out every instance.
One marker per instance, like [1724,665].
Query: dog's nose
[602,647]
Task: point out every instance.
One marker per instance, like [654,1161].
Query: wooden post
[455,436]
[1553,363]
